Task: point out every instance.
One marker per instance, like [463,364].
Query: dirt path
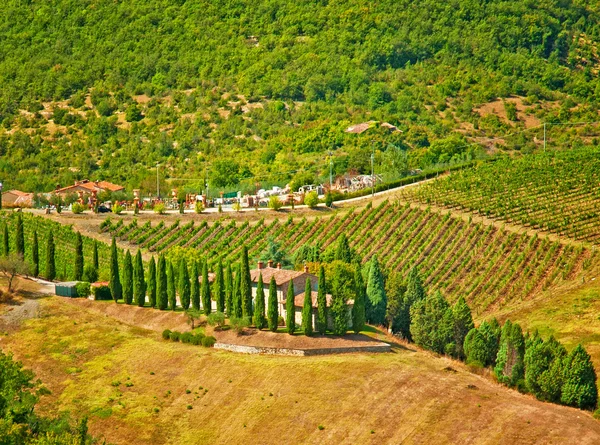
[19,312]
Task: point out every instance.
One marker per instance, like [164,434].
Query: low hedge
[101,292]
[189,338]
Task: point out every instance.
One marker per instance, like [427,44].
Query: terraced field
[487,264]
[556,191]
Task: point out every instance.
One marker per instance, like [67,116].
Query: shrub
[209,342]
[311,199]
[166,334]
[186,337]
[216,319]
[197,339]
[329,199]
[239,324]
[159,208]
[274,202]
[83,289]
[77,208]
[101,293]
[199,207]
[117,209]
[175,336]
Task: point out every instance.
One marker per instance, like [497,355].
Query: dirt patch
[21,310]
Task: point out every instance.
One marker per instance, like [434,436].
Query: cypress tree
[290,315]
[229,290]
[307,313]
[259,311]
[237,294]
[475,348]
[376,297]
[152,283]
[115,282]
[491,334]
[579,388]
[95,261]
[219,288]
[78,257]
[273,308]
[128,279]
[414,292]
[358,310]
[343,251]
[139,283]
[5,245]
[195,288]
[322,303]
[171,293]
[431,324]
[551,380]
[19,237]
[162,298]
[206,297]
[246,286]
[184,285]
[509,367]
[35,255]
[50,260]
[463,323]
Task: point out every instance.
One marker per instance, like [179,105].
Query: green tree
[343,251]
[20,237]
[311,199]
[431,324]
[290,309]
[273,307]
[162,298]
[359,310]
[342,287]
[259,311]
[579,387]
[206,297]
[35,255]
[395,290]
[5,245]
[246,286]
[50,258]
[128,278]
[219,288]
[321,324]
[184,285]
[509,367]
[415,292]
[229,286]
[115,282]
[307,309]
[237,293]
[171,292]
[275,252]
[78,257]
[139,282]
[463,323]
[475,348]
[376,297]
[95,261]
[491,332]
[195,289]
[152,282]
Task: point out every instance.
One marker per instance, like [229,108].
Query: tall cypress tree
[343,251]
[579,388]
[162,298]
[415,292]
[377,299]
[171,293]
[115,282]
[139,283]
[322,303]
[273,307]
[20,237]
[237,294]
[510,367]
[50,260]
[128,279]
[5,245]
[463,323]
[259,311]
[35,255]
[78,257]
[219,288]
[290,314]
[95,261]
[206,297]
[184,285]
[358,310]
[229,283]
[152,283]
[246,286]
[307,312]
[195,287]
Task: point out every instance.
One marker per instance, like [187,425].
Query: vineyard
[485,263]
[556,191]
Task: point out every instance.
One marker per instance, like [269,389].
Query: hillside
[260,91]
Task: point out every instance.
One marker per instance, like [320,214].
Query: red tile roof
[97,186]
[282,276]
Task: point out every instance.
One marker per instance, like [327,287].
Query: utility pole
[544,136]
[157,182]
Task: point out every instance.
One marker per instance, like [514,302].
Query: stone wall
[243,349]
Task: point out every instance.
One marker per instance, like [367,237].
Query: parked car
[103,209]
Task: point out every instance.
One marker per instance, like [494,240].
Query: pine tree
[195,288]
[184,285]
[579,388]
[78,257]
[321,324]
[152,283]
[463,323]
[219,288]
[139,282]
[162,297]
[229,283]
[343,251]
[290,314]
[246,286]
[358,310]
[273,307]
[35,255]
[475,348]
[551,380]
[115,282]
[376,297]
[20,237]
[491,333]
[237,294]
[50,260]
[509,367]
[128,279]
[307,312]
[5,245]
[395,288]
[259,311]
[171,292]
[206,297]
[431,324]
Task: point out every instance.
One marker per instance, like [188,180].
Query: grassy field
[139,389]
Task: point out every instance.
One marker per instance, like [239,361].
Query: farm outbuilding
[66,289]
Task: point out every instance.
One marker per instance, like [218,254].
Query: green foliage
[128,278]
[90,274]
[19,237]
[275,252]
[171,290]
[83,289]
[35,256]
[376,302]
[395,311]
[342,287]
[115,281]
[259,310]
[216,319]
[152,282]
[101,293]
[237,293]
[184,285]
[579,388]
[275,203]
[475,348]
[229,290]
[139,282]
[463,324]
[238,324]
[77,208]
[209,342]
[290,312]
[78,257]
[192,316]
[246,285]
[162,300]
[311,199]
[166,334]
[432,324]
[206,299]
[160,208]
[195,286]
[322,320]
[415,292]
[509,367]
[343,251]
[219,288]
[272,306]
[329,199]
[95,261]
[307,312]
[359,314]
[5,245]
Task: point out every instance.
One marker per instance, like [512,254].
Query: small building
[87,187]
[17,198]
[66,289]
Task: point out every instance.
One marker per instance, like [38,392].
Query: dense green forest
[264,89]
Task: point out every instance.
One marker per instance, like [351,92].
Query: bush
[166,335]
[83,289]
[209,342]
[186,337]
[175,336]
[77,208]
[117,209]
[275,203]
[159,208]
[311,199]
[101,293]
[90,274]
[239,324]
[199,207]
[329,199]
[216,319]
[197,339]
